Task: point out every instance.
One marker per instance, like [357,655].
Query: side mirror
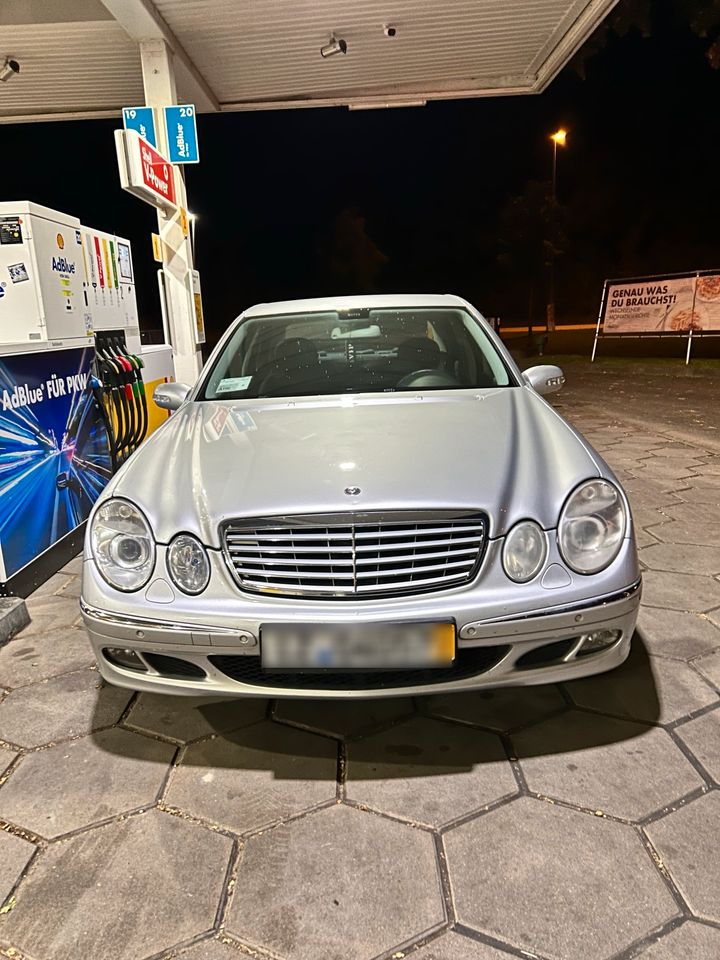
[545,378]
[170,396]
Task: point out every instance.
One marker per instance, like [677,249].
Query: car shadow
[425,737]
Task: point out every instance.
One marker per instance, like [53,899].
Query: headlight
[122,545]
[524,551]
[188,563]
[592,527]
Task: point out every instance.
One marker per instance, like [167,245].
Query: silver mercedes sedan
[360,497]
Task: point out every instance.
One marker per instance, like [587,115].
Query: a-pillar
[159,83]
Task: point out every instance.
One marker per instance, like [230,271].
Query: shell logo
[60,241]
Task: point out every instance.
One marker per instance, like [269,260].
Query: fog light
[598,640]
[124,657]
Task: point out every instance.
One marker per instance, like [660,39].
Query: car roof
[385,300]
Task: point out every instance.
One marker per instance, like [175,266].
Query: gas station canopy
[81,58]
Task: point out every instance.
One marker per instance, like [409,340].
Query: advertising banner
[54,454]
[676,305]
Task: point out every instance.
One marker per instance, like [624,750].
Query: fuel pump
[120,373]
[73,376]
[135,366]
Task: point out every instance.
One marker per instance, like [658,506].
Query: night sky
[308,202]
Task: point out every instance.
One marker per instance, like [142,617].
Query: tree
[702,17]
[531,237]
[349,259]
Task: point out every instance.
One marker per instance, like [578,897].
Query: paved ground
[572,823]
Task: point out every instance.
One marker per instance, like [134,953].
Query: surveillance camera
[336,45]
[9,69]
[389,30]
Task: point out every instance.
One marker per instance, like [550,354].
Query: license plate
[377,646]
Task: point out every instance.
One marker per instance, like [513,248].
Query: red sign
[157,173]
[144,171]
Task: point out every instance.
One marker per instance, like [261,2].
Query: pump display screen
[124,261]
[10,230]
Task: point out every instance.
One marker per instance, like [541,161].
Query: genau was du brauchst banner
[663,305]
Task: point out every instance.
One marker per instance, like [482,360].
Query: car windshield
[356,351]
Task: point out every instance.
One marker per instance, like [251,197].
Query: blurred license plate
[376,646]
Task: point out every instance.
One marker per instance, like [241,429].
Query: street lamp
[192,217]
[558,140]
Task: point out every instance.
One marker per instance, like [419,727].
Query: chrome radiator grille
[361,555]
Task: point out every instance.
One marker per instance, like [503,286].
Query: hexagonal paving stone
[71,588]
[51,586]
[454,946]
[341,887]
[255,776]
[709,667]
[504,709]
[643,538]
[75,566]
[7,755]
[684,557]
[701,491]
[687,842]
[680,591]
[428,771]
[15,854]
[674,451]
[550,879]
[188,718]
[685,531]
[694,512]
[123,891]
[702,736]
[692,940]
[210,950]
[342,718]
[75,784]
[625,769]
[645,515]
[49,613]
[27,659]
[652,689]
[66,706]
[649,491]
[672,633]
[710,480]
[668,469]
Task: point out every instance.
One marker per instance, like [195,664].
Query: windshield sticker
[232,384]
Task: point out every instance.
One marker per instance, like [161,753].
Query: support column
[159,83]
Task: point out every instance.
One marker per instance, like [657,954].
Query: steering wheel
[426,378]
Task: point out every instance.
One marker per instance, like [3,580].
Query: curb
[13,617]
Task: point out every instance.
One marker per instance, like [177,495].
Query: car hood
[503,451]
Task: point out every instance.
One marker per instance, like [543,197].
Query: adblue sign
[61,265]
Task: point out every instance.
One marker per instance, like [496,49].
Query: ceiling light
[9,69]
[335,45]
[384,104]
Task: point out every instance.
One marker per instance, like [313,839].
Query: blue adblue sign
[182,134]
[141,119]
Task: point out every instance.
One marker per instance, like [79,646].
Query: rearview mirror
[170,396]
[545,378]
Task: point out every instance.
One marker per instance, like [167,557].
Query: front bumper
[500,644]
